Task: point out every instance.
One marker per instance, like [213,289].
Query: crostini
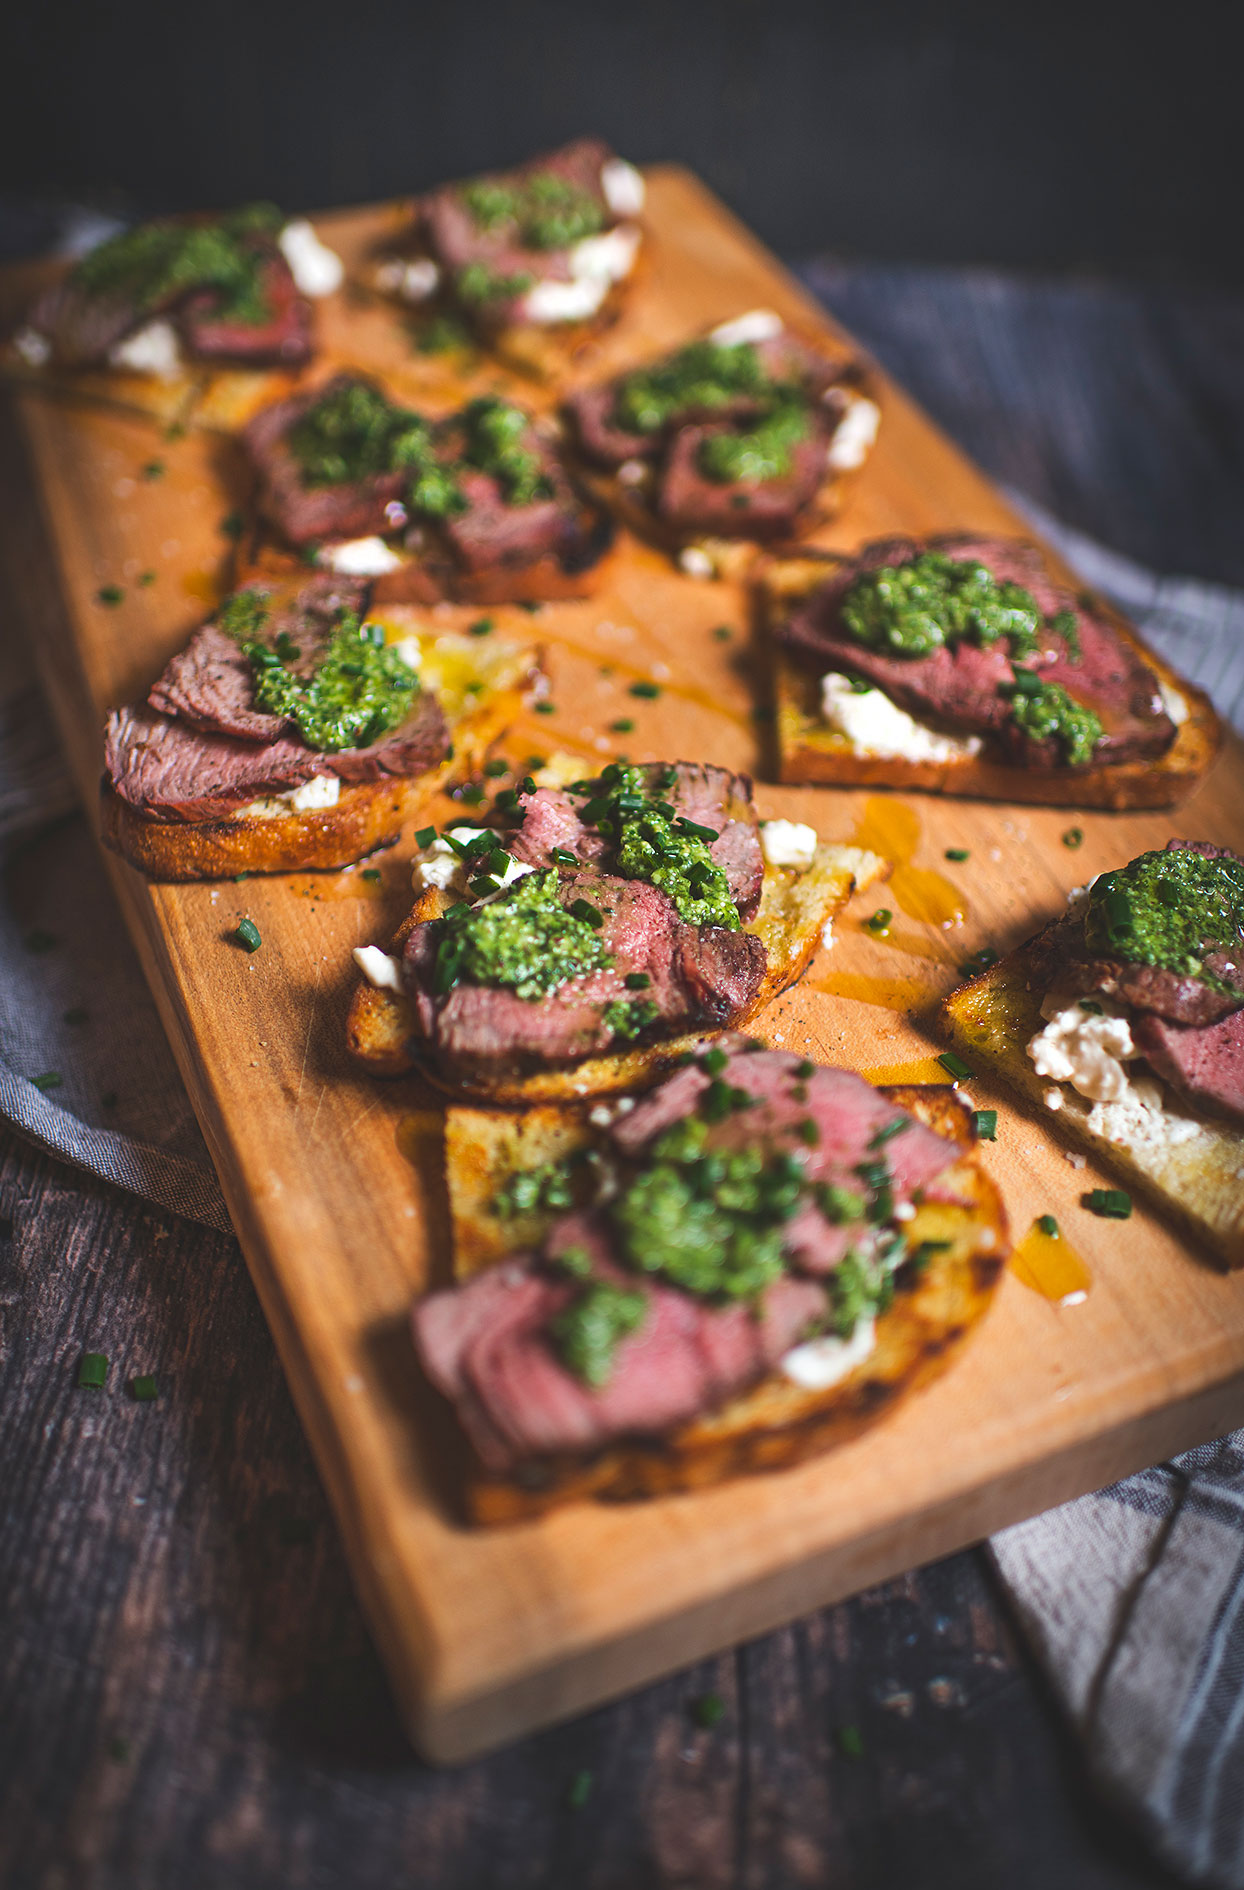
[299,729]
[961,664]
[1124,1022]
[745,435]
[744,1267]
[187,320]
[582,940]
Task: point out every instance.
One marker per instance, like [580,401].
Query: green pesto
[548,1189]
[756,452]
[359,690]
[936,601]
[1044,709]
[525,942]
[588,1332]
[628,1018]
[541,211]
[863,1285]
[704,375]
[478,285]
[156,263]
[653,843]
[1169,909]
[493,431]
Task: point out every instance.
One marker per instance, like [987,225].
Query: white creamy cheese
[438,865]
[34,348]
[819,1363]
[632,472]
[153,349]
[414,281]
[595,264]
[759,324]
[695,562]
[322,790]
[854,436]
[876,726]
[1085,1048]
[787,842]
[622,187]
[380,971]
[316,269]
[361,557]
[1176,706]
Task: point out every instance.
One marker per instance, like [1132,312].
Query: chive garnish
[93,1371]
[589,914]
[564,857]
[713,1062]
[232,525]
[1113,1204]
[979,961]
[957,854]
[648,690]
[1048,1226]
[247,935]
[482,627]
[154,469]
[484,885]
[371,872]
[920,1255]
[546,708]
[637,981]
[888,1131]
[880,922]
[495,768]
[723,633]
[955,1066]
[808,1131]
[110,595]
[146,578]
[804,1069]
[471,794]
[143,1390]
[425,836]
[985,1123]
[1091,1006]
[623,726]
[1073,837]
[50,1079]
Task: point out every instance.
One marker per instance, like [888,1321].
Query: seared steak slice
[84,328]
[493,534]
[284,340]
[963,688]
[1205,1063]
[306,515]
[697,978]
[765,508]
[169,771]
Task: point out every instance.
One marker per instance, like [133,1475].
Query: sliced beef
[494,535]
[210,683]
[169,771]
[283,340]
[697,978]
[962,689]
[83,329]
[307,515]
[765,508]
[1206,1063]
[551,820]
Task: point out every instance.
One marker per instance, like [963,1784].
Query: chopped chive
[470,794]
[805,1069]
[425,836]
[1091,1006]
[247,935]
[93,1371]
[978,962]
[808,1131]
[51,1079]
[495,768]
[546,708]
[888,1131]
[1073,837]
[850,1743]
[637,981]
[1113,1204]
[1048,1226]
[880,922]
[239,877]
[985,1123]
[649,691]
[144,1390]
[708,1710]
[589,914]
[564,857]
[154,469]
[232,525]
[723,633]
[534,762]
[957,854]
[623,726]
[110,595]
[146,578]
[482,627]
[484,885]
[955,1066]
[713,1062]
[580,1790]
[920,1255]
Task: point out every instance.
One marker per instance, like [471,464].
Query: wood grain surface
[332,1180]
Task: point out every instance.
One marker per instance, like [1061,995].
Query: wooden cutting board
[333,1181]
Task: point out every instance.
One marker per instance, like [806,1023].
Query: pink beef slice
[306,515]
[769,508]
[494,535]
[169,771]
[963,689]
[846,1110]
[210,684]
[83,329]
[1205,1063]
[284,340]
[697,978]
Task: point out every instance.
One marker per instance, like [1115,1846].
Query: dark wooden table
[188,1696]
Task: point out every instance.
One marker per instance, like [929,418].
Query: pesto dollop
[158,262]
[1044,709]
[588,1331]
[1171,909]
[540,211]
[525,941]
[703,375]
[359,689]
[936,601]
[653,842]
[763,449]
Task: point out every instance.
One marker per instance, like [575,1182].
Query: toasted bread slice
[777,1423]
[796,906]
[480,688]
[219,400]
[1198,1182]
[810,752]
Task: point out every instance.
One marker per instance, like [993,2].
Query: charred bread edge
[365,816]
[214,399]
[776,1424]
[380,1031]
[991,1018]
[1128,784]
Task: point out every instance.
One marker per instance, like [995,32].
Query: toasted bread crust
[794,909]
[776,1424]
[1195,1183]
[216,399]
[811,754]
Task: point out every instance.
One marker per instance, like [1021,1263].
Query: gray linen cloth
[1133,1597]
